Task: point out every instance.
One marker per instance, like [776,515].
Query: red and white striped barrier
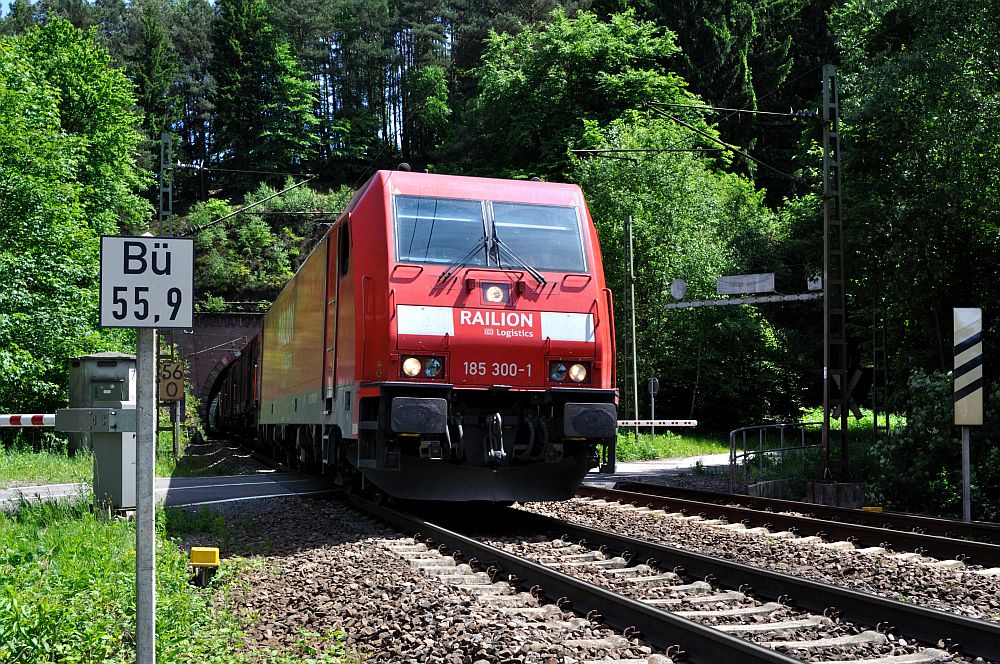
[657,423]
[46,420]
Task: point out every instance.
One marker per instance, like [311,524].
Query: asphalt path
[177,491]
[644,470]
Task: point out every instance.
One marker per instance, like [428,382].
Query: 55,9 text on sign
[147,282]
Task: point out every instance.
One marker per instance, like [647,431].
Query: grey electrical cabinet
[101,382]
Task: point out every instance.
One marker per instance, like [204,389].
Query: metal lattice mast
[835,374]
[166,185]
[880,373]
[166,223]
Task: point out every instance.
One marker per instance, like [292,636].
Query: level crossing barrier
[35,420]
[625,424]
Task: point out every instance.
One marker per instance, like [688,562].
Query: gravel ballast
[962,590]
[324,567]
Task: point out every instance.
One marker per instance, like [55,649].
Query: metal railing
[762,454]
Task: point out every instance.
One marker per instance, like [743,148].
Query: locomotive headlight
[411,366]
[432,367]
[557,372]
[494,294]
[578,373]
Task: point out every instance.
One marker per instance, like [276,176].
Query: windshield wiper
[516,260]
[493,246]
[455,267]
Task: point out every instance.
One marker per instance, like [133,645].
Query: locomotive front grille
[492,429]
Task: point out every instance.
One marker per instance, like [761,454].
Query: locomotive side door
[330,340]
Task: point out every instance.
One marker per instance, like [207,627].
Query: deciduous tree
[538,87]
[691,221]
[67,140]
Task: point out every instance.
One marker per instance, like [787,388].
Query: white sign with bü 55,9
[147,281]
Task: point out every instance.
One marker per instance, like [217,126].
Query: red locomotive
[450,338]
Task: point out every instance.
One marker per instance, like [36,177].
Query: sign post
[146,282]
[654,387]
[968,388]
[171,392]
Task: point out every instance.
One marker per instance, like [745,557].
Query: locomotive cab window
[546,237]
[438,230]
[450,231]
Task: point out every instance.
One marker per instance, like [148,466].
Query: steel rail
[977,638]
[659,628]
[980,553]
[982,531]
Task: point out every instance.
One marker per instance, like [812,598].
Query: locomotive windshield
[438,230]
[442,230]
[547,237]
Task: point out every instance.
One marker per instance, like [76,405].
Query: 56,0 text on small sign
[171,380]
[147,282]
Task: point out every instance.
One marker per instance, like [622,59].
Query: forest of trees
[258,95]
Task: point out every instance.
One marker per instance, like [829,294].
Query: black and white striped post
[968,387]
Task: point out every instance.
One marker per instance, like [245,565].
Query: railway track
[677,601]
[900,532]
[980,531]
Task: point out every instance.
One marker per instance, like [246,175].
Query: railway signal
[968,387]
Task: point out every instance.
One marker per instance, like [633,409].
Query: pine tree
[189,25]
[20,18]
[152,66]
[263,118]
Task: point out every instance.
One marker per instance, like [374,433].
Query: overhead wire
[728,146]
[194,230]
[200,167]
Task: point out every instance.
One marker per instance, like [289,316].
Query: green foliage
[738,54]
[919,467]
[922,107]
[66,141]
[429,113]
[67,592]
[690,222]
[538,87]
[95,104]
[263,99]
[646,447]
[18,20]
[250,257]
[180,521]
[189,26]
[153,65]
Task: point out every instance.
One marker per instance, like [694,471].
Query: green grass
[67,593]
[855,427]
[669,445]
[809,466]
[26,467]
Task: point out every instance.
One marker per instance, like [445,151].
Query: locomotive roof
[475,188]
